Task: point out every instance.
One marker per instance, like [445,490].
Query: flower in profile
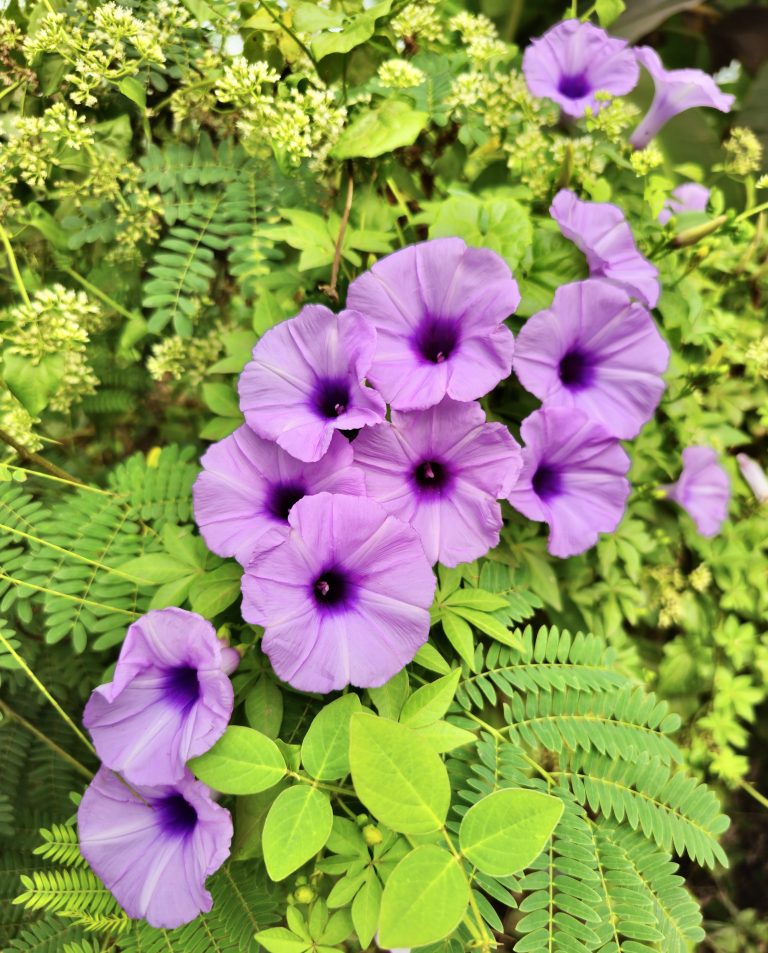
[754,476]
[248,486]
[573,478]
[439,309]
[153,847]
[597,350]
[675,91]
[306,380]
[442,470]
[600,230]
[170,698]
[344,598]
[688,197]
[703,489]
[573,61]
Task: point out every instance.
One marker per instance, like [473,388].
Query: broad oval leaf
[325,749]
[297,827]
[243,761]
[424,898]
[508,830]
[397,775]
[389,126]
[430,702]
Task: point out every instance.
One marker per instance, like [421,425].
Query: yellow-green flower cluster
[400,74]
[478,35]
[180,358]
[613,119]
[744,152]
[646,160]
[419,21]
[757,356]
[17,422]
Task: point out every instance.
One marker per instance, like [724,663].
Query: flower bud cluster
[180,358]
[744,152]
[419,21]
[479,36]
[400,74]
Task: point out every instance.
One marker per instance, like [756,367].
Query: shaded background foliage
[140,188]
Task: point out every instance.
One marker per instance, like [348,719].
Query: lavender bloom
[754,476]
[596,350]
[248,486]
[676,91]
[703,489]
[600,230]
[439,309]
[573,61]
[688,197]
[442,470]
[344,599]
[170,698]
[154,854]
[573,478]
[305,381]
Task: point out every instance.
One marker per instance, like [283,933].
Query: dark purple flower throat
[183,685]
[436,339]
[332,589]
[281,498]
[576,370]
[331,398]
[547,482]
[177,816]
[431,476]
[574,87]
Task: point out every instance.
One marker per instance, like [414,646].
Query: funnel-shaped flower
[170,698]
[754,476]
[596,350]
[442,470]
[688,197]
[344,599]
[153,847]
[573,61]
[600,230]
[439,311]
[676,91]
[703,489]
[306,380]
[573,478]
[248,486]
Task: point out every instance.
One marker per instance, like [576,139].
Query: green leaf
[459,634]
[222,400]
[156,569]
[430,702]
[397,776]
[424,898]
[365,909]
[428,657]
[496,222]
[325,749]
[354,30]
[507,830]
[280,940]
[443,736]
[476,599]
[130,87]
[389,126]
[297,827]
[243,761]
[33,385]
[390,696]
[250,814]
[264,707]
[214,591]
[488,624]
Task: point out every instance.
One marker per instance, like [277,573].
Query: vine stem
[41,736]
[13,265]
[98,293]
[284,26]
[753,792]
[331,289]
[64,595]
[49,476]
[36,458]
[44,692]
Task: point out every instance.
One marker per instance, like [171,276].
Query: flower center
[281,498]
[177,816]
[331,588]
[436,339]
[183,686]
[546,482]
[331,398]
[574,87]
[431,475]
[576,370]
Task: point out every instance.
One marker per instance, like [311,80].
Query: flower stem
[65,755]
[753,792]
[98,293]
[33,457]
[13,265]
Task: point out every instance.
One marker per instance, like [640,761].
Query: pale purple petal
[170,699]
[248,486]
[595,350]
[573,61]
[703,489]
[306,380]
[675,91]
[601,231]
[754,476]
[688,197]
[573,478]
[442,470]
[153,847]
[439,309]
[345,599]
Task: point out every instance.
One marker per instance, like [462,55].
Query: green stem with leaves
[13,264]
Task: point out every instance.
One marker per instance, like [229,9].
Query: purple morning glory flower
[688,197]
[442,470]
[344,599]
[306,380]
[170,698]
[248,486]
[439,309]
[596,350]
[600,230]
[703,489]
[573,478]
[676,91]
[153,847]
[754,476]
[573,61]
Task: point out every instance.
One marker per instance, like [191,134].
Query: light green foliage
[297,827]
[243,761]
